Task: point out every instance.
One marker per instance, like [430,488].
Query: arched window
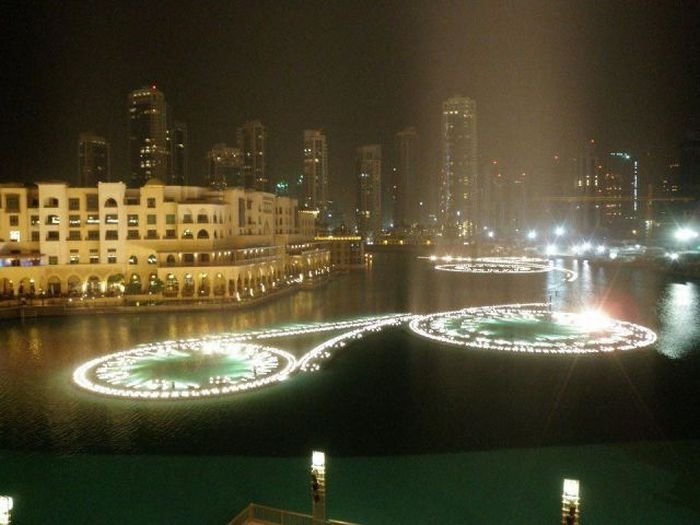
[188,285]
[219,284]
[74,285]
[172,287]
[202,234]
[51,202]
[134,286]
[187,234]
[170,261]
[110,203]
[152,259]
[133,259]
[94,286]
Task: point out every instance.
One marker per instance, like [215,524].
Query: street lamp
[559,231]
[5,509]
[685,234]
[318,485]
[570,503]
[532,235]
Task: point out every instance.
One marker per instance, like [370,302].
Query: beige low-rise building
[174,241]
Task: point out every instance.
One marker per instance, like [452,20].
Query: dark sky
[546,75]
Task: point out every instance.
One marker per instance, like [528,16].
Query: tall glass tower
[458,187]
[148,148]
[315,183]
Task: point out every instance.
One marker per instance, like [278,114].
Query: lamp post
[5,509]
[684,236]
[318,486]
[570,503]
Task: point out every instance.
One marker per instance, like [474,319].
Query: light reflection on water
[39,408]
[679,319]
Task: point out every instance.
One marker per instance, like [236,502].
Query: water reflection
[678,316]
[399,376]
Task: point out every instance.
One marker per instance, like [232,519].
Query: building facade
[252,142]
[368,170]
[458,188]
[148,147]
[177,141]
[407,191]
[176,242]
[315,182]
[93,160]
[224,167]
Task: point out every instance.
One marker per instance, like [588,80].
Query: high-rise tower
[368,169]
[406,190]
[252,139]
[224,164]
[93,160]
[178,153]
[315,184]
[458,188]
[148,148]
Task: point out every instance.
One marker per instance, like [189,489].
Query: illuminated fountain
[185,369]
[231,363]
[532,328]
[215,365]
[498,265]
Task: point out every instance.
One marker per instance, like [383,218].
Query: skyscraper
[148,149]
[406,188]
[315,185]
[252,139]
[368,169]
[224,164]
[93,160]
[178,153]
[621,210]
[458,188]
[588,187]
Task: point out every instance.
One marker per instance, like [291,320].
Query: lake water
[415,431]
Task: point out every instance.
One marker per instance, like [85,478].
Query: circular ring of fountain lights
[499,265]
[532,328]
[230,363]
[215,366]
[192,368]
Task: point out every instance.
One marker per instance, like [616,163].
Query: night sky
[546,76]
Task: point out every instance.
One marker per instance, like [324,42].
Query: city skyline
[545,79]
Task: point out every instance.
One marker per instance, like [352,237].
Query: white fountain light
[192,368]
[210,366]
[532,328]
[501,265]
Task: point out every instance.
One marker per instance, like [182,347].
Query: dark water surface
[404,401]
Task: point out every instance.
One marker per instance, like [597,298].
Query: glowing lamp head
[571,488]
[673,256]
[5,509]
[532,234]
[559,231]
[593,320]
[318,459]
[685,234]
[551,249]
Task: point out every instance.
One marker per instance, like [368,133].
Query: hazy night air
[448,250]
[546,75]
